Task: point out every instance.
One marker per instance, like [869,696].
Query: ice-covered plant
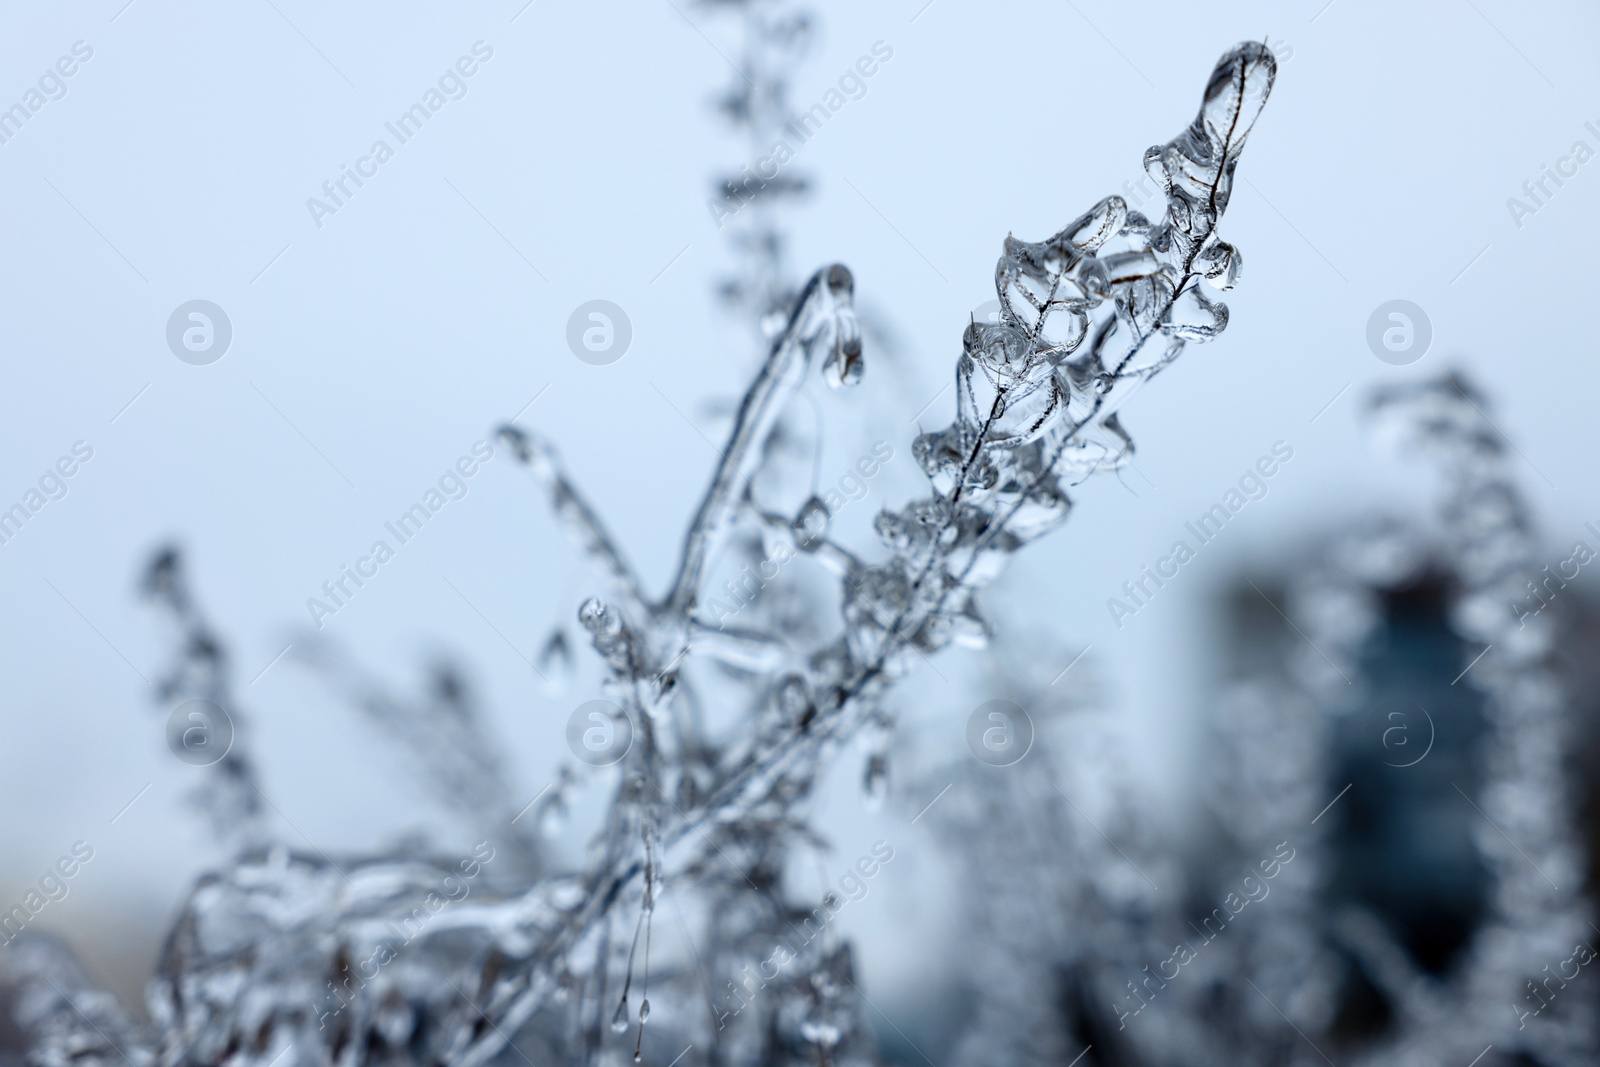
[379,959]
[1085,315]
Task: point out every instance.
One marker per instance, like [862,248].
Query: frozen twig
[823,320]
[539,456]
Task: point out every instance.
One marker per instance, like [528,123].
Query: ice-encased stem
[1198,168]
[822,315]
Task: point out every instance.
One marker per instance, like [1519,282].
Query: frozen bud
[838,329]
[999,348]
[599,618]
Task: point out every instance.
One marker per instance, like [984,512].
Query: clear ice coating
[1108,301]
[427,959]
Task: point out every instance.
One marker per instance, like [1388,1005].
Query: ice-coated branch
[1026,390]
[435,960]
[823,320]
[540,457]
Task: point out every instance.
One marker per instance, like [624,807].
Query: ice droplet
[875,780]
[844,364]
[1221,264]
[619,1018]
[644,1010]
[811,524]
[599,618]
[1001,348]
[940,455]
